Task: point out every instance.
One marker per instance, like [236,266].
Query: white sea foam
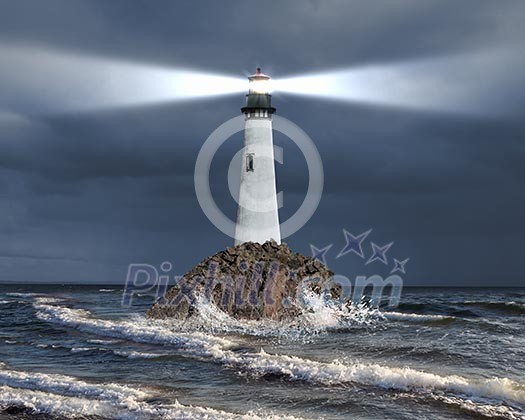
[80,407]
[139,354]
[402,316]
[70,397]
[404,378]
[51,299]
[139,330]
[82,349]
[18,294]
[67,385]
[106,290]
[101,341]
[46,403]
[294,368]
[483,407]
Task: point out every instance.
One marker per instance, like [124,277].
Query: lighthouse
[257,214]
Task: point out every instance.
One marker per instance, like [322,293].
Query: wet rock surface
[247,281]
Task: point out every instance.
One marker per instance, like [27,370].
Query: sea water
[74,351]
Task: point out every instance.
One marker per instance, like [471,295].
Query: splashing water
[317,315]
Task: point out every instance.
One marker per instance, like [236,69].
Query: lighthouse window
[249,162]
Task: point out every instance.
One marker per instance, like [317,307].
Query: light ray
[39,80]
[42,80]
[474,83]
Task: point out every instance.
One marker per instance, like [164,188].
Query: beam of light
[482,83]
[39,80]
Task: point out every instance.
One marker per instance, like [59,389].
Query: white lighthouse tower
[257,215]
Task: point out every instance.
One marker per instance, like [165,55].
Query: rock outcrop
[248,281]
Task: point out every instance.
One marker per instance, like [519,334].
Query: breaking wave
[482,407]
[402,316]
[71,397]
[20,294]
[139,329]
[139,354]
[67,385]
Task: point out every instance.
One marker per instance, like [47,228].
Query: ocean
[444,353]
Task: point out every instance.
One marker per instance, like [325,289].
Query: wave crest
[73,398]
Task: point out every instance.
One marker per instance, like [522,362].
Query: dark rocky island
[247,281]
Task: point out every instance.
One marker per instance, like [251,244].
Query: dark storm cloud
[287,35]
[83,195]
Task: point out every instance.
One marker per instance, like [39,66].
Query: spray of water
[316,315]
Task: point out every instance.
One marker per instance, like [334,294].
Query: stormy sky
[84,193]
